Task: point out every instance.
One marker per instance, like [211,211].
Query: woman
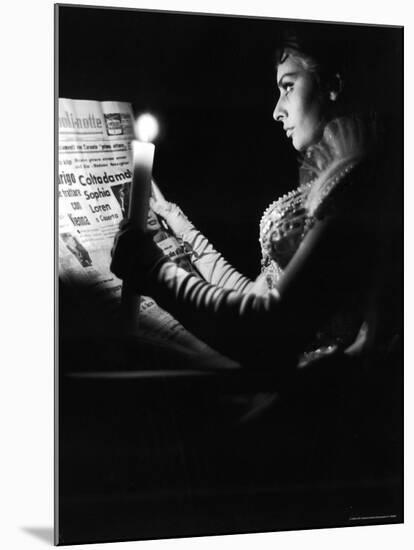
[321,243]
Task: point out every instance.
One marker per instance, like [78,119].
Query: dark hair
[323,53]
[326,48]
[367,58]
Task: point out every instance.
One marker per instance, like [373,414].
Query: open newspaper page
[94,176]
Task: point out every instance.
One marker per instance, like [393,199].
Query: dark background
[165,457]
[211,82]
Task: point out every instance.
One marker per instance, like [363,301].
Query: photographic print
[229,223]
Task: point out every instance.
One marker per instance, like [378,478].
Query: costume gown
[319,248]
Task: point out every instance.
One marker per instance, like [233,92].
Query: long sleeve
[330,271]
[211,264]
[332,264]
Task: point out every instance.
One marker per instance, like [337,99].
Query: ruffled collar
[345,142]
[347,137]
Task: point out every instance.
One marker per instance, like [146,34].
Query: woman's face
[301,103]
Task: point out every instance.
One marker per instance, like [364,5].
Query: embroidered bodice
[281,230]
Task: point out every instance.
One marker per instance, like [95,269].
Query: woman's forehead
[291,66]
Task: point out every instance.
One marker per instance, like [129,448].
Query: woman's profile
[321,243]
[254,381]
[322,317]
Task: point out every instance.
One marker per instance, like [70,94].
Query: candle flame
[146,127]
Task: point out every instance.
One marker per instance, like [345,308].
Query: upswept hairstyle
[323,55]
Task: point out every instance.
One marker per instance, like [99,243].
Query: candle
[146,129]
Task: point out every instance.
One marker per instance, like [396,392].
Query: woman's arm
[333,264]
[210,264]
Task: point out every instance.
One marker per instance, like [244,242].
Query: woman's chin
[299,144]
[300,147]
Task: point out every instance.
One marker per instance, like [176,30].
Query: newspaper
[94,176]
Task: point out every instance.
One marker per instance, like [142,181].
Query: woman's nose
[278,112]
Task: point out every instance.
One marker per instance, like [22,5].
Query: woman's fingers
[157,206]
[162,207]
[172,214]
[134,253]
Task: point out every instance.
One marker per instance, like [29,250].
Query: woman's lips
[289,132]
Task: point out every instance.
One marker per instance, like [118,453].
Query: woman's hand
[134,255]
[171,213]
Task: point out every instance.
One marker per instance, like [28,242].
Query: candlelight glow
[146,127]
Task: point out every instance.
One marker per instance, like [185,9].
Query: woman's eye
[288,87]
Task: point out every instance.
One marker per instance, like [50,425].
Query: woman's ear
[335,87]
